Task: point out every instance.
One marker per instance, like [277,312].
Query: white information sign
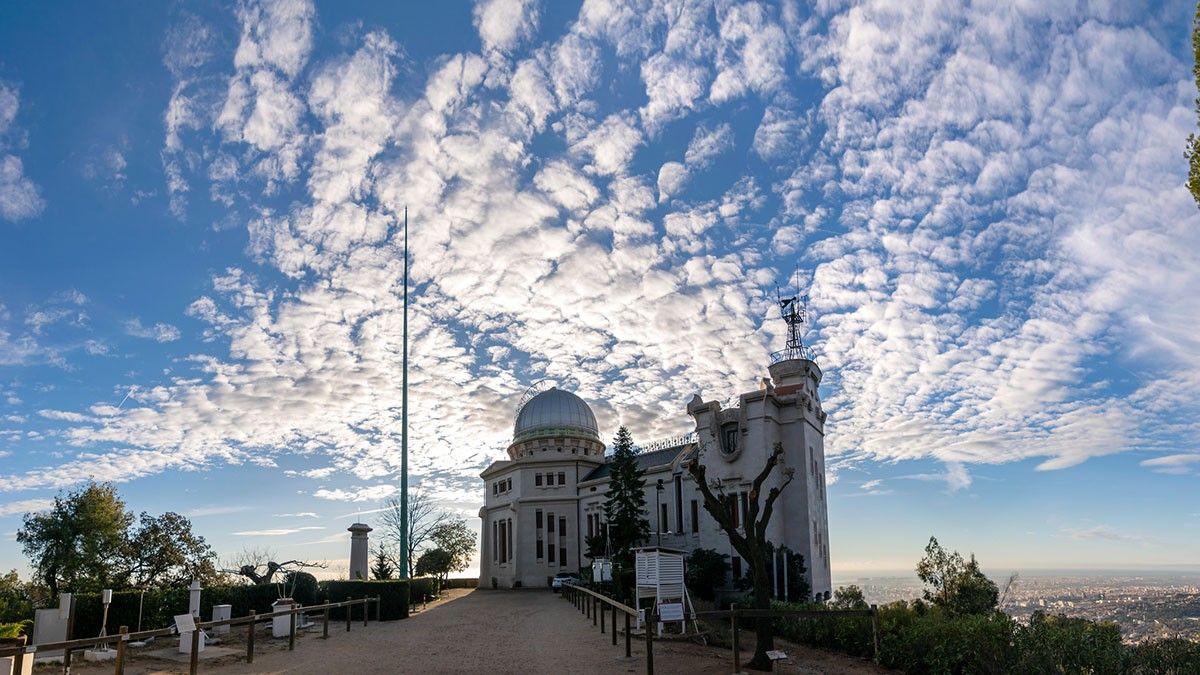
[185,623]
[670,611]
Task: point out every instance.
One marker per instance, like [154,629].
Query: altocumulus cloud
[952,188]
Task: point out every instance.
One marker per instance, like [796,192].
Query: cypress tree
[625,510]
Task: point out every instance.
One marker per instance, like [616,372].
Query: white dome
[555,412]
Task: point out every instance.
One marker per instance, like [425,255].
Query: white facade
[556,466]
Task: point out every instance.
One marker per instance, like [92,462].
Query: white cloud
[19,197]
[707,144]
[1180,464]
[610,145]
[302,514]
[672,177]
[276,532]
[159,332]
[502,24]
[25,506]
[371,493]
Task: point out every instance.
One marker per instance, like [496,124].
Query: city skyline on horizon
[200,258]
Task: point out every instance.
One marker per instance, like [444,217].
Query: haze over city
[201,257]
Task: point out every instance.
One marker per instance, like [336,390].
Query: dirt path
[493,632]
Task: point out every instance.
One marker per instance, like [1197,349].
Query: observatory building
[549,495]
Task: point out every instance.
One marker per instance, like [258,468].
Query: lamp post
[658,490]
[404,543]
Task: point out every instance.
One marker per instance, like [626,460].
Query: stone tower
[359,552]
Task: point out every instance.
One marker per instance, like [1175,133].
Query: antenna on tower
[794,312]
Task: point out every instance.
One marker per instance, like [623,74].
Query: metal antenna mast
[794,312]
[404,422]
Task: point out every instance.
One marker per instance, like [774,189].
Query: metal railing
[593,605]
[123,636]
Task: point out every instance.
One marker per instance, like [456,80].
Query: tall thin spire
[404,422]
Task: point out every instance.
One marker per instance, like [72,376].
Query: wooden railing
[251,621]
[591,604]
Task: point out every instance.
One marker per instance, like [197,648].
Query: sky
[201,255]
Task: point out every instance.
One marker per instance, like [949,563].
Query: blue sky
[200,255]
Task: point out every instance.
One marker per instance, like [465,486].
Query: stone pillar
[359,552]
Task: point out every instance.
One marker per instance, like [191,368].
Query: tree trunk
[764,631]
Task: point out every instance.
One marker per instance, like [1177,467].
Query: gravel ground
[493,632]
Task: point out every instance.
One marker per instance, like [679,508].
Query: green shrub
[465,582]
[941,644]
[15,629]
[1163,657]
[851,635]
[423,589]
[393,596]
[1069,645]
[706,572]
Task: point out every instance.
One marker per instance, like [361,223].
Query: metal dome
[555,412]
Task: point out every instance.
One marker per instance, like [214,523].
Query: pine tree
[625,510]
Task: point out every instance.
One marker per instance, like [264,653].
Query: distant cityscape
[1146,605]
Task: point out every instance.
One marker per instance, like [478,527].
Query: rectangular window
[537,519]
[737,567]
[508,485]
[562,527]
[495,542]
[745,505]
[551,559]
[591,526]
[662,518]
[539,549]
[562,555]
[495,489]
[562,478]
[537,479]
[695,516]
[679,504]
[510,538]
[550,524]
[731,508]
[502,540]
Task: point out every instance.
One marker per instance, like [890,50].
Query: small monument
[359,551]
[51,625]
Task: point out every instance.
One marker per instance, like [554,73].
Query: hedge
[918,638]
[393,596]
[466,582]
[160,606]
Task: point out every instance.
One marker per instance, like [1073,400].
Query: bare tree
[750,541]
[423,518]
[259,567]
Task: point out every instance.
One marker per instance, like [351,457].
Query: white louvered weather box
[659,576]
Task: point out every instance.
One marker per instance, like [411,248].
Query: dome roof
[555,412]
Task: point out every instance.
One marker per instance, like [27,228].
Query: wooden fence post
[250,636]
[649,645]
[119,668]
[875,630]
[349,612]
[365,612]
[292,630]
[597,608]
[194,666]
[378,608]
[603,605]
[628,639]
[325,629]
[737,648]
